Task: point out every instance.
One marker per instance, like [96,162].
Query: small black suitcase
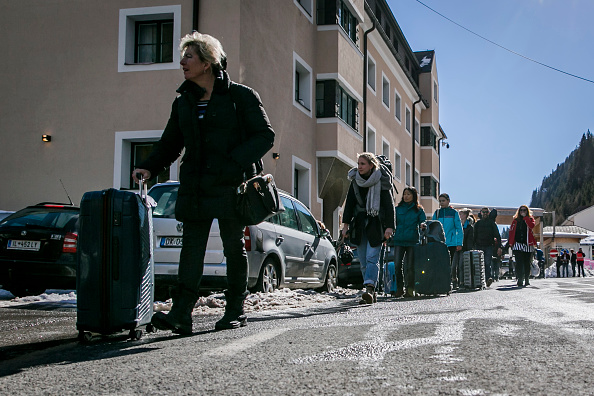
[432,266]
[115,276]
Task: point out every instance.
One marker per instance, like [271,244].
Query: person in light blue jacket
[454,234]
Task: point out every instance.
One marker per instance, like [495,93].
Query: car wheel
[268,280]
[331,279]
[24,291]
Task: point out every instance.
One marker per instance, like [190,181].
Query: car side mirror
[325,233]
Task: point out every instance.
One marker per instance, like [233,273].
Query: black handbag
[258,200]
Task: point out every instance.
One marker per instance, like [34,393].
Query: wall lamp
[46,138]
[445,144]
[275,156]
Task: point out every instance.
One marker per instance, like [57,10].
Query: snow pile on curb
[255,302]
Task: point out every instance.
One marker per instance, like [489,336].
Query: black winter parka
[234,134]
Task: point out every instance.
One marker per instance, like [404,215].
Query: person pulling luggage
[485,233]
[410,218]
[368,217]
[454,234]
[225,130]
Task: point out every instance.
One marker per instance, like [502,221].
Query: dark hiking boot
[234,316]
[398,294]
[410,292]
[520,284]
[367,297]
[489,282]
[179,319]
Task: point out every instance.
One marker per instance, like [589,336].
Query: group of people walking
[370,219]
[575,258]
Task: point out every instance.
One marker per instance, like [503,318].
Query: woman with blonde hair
[224,130]
[523,243]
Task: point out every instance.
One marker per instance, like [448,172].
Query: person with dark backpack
[368,217]
[225,131]
[487,238]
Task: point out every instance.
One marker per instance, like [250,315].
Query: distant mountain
[570,187]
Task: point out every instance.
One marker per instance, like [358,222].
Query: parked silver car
[288,250]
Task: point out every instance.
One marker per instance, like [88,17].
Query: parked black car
[38,249]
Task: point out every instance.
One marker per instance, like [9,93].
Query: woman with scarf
[368,217]
[410,216]
[523,243]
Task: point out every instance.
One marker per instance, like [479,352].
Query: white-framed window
[130,148]
[302,85]
[417,179]
[417,131]
[429,186]
[407,120]
[397,165]
[435,91]
[385,148]
[370,139]
[371,72]
[397,106]
[302,180]
[306,7]
[148,38]
[385,91]
[407,174]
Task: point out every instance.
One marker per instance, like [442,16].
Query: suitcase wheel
[85,336]
[135,334]
[150,328]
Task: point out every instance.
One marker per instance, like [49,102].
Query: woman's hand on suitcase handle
[388,233]
[145,174]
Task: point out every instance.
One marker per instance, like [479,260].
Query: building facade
[337,77]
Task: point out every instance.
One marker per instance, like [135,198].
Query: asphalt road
[500,341]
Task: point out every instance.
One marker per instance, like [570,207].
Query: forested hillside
[570,187]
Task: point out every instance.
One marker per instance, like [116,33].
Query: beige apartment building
[337,77]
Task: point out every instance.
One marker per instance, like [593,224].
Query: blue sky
[509,121]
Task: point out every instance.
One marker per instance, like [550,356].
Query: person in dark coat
[368,217]
[573,259]
[224,130]
[580,256]
[467,220]
[485,233]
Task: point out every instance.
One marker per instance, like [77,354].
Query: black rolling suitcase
[432,262]
[115,276]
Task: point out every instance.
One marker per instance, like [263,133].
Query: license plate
[23,245]
[173,242]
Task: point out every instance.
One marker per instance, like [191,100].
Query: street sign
[553,253]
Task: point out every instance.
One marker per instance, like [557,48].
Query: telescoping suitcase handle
[142,187]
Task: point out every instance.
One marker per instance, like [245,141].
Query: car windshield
[165,196]
[41,217]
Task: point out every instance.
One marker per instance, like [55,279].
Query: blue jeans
[488,253]
[369,259]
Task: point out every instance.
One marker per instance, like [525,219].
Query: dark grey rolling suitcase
[473,270]
[115,276]
[432,267]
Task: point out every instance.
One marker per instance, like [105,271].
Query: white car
[288,250]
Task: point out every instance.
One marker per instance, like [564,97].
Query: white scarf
[372,206]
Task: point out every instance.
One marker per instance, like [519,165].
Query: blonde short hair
[208,48]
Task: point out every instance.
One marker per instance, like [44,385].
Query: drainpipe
[413,141]
[365,85]
[195,15]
